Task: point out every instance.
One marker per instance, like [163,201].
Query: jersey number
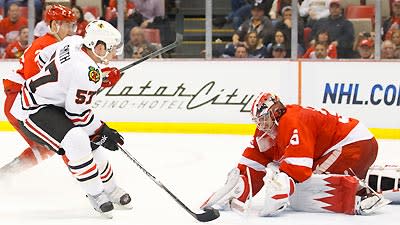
[51,77]
[82,95]
[341,118]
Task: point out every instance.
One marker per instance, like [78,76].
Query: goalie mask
[266,112]
[102,31]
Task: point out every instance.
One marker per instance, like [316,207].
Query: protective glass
[119,48]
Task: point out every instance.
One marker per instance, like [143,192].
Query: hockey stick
[177,42]
[208,215]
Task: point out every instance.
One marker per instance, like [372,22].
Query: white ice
[191,166]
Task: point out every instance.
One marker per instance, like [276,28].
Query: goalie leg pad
[236,187]
[278,187]
[326,193]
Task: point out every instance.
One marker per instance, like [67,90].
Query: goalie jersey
[70,80]
[303,136]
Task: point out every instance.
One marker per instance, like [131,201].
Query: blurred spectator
[277,6]
[253,43]
[16,48]
[279,51]
[387,50]
[153,14]
[241,11]
[395,38]
[314,10]
[321,51]
[241,51]
[258,22]
[365,49]
[80,22]
[131,19]
[137,46]
[42,28]
[255,47]
[129,5]
[392,22]
[285,25]
[279,38]
[150,9]
[10,25]
[322,37]
[363,36]
[340,30]
[38,6]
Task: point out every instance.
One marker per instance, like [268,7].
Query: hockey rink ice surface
[191,166]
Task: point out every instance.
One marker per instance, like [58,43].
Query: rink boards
[202,96]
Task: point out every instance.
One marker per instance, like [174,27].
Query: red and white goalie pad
[385,179]
[326,193]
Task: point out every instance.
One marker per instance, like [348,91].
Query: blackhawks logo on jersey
[94,74]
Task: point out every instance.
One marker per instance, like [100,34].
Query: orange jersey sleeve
[29,61]
[305,135]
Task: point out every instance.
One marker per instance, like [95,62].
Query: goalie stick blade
[209,215]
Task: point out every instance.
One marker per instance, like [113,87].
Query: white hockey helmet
[266,111]
[100,30]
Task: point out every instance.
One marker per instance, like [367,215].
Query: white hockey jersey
[70,79]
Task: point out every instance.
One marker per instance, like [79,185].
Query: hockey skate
[11,168]
[366,205]
[120,198]
[102,204]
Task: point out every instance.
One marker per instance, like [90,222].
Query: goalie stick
[177,42]
[208,215]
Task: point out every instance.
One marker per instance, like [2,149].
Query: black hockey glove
[106,137]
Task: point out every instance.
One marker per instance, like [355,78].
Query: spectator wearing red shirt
[365,49]
[15,49]
[80,21]
[322,36]
[10,25]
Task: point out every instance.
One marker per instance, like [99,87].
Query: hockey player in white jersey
[54,109]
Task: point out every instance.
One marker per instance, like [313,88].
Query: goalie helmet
[100,30]
[266,111]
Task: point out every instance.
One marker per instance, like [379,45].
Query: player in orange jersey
[315,157]
[62,23]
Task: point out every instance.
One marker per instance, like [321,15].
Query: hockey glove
[106,137]
[111,76]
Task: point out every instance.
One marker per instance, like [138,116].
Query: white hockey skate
[102,204]
[120,198]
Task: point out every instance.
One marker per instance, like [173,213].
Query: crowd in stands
[324,31]
[144,19]
[262,28]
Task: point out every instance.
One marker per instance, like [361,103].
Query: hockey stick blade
[209,213]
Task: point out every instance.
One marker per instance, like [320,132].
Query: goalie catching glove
[111,76]
[106,137]
[233,193]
